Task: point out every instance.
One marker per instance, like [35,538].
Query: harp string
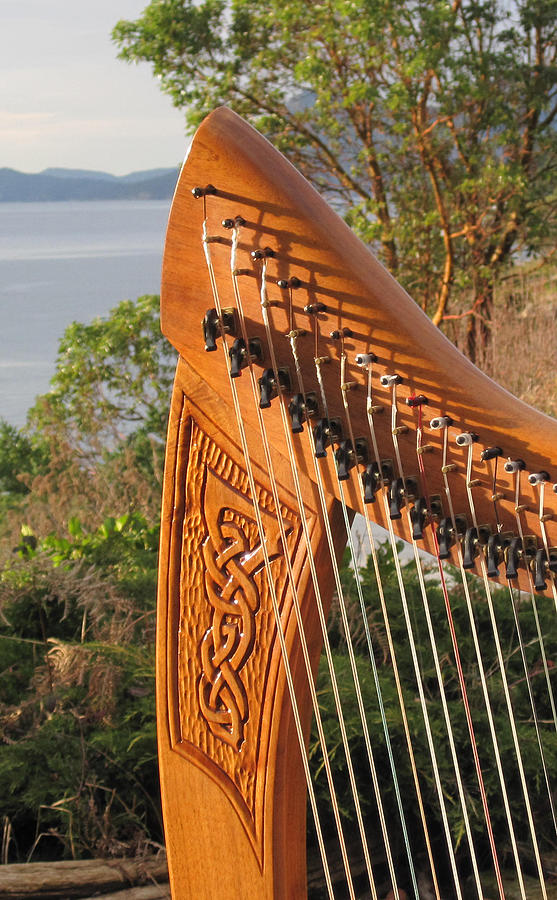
[270,579]
[533,601]
[342,606]
[353,665]
[445,469]
[334,684]
[435,652]
[393,655]
[541,488]
[456,653]
[504,681]
[514,597]
[417,672]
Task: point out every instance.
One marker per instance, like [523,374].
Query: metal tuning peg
[470,548]
[418,515]
[513,556]
[345,459]
[494,555]
[396,497]
[212,327]
[301,408]
[445,537]
[268,387]
[370,479]
[324,433]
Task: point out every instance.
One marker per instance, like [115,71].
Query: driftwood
[85,878]
[147,892]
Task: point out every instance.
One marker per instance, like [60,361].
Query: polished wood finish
[232,785]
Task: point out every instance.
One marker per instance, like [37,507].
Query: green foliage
[430,124]
[78,774]
[384,661]
[112,380]
[78,764]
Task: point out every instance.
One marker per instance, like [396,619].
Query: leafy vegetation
[78,558]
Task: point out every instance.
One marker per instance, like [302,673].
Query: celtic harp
[310,388]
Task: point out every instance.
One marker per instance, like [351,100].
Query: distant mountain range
[83,184]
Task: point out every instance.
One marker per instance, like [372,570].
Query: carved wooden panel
[227,653]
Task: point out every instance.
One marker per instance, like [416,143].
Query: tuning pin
[490,453]
[470,545]
[494,554]
[514,465]
[345,459]
[370,479]
[418,515]
[538,477]
[514,552]
[396,497]
[445,537]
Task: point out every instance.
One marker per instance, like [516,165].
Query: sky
[66,100]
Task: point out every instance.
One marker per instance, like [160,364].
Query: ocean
[65,262]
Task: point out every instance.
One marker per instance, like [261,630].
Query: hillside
[77,184]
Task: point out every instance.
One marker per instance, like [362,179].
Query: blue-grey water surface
[64,262]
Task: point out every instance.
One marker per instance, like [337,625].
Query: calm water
[64,262]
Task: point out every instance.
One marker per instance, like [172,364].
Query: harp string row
[391,645]
[445,469]
[332,675]
[344,616]
[504,681]
[456,767]
[270,579]
[456,652]
[533,602]
[364,615]
[442,693]
[357,578]
[338,705]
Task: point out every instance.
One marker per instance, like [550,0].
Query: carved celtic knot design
[231,561]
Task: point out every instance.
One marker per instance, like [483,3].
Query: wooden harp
[310,387]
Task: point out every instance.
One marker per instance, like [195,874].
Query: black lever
[514,551]
[238,357]
[396,497]
[494,554]
[296,408]
[418,515]
[370,479]
[268,387]
[210,329]
[345,459]
[445,537]
[325,432]
[301,409]
[540,567]
[470,548]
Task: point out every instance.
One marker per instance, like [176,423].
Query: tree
[430,123]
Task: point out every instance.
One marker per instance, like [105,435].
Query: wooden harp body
[250,516]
